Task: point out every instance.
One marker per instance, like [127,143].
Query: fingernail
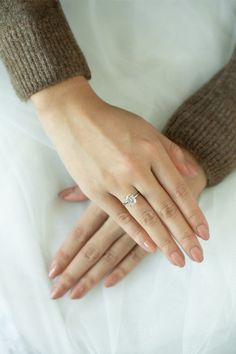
[54,271]
[177,259]
[66,192]
[77,292]
[111,280]
[149,246]
[56,292]
[196,254]
[74,196]
[203,231]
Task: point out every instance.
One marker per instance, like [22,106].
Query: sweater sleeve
[37,45]
[205,124]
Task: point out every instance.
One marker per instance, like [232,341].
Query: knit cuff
[38,47]
[205,124]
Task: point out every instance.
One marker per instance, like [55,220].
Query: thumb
[72,194]
[178,157]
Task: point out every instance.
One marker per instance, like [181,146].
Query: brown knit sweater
[39,50]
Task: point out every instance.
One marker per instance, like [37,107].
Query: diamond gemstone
[130,199]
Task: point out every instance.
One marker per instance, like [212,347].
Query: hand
[98,246]
[110,153]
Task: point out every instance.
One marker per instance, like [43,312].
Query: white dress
[147,57]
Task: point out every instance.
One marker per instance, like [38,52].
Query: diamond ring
[130,199]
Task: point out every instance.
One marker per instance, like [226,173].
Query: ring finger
[163,210]
[151,223]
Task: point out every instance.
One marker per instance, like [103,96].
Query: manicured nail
[56,292]
[111,280]
[177,259]
[196,254]
[203,231]
[77,292]
[55,270]
[149,246]
[66,192]
[75,196]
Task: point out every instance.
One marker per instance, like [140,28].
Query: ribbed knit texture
[205,124]
[38,46]
[39,50]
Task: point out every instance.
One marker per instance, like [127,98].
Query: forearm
[37,45]
[205,124]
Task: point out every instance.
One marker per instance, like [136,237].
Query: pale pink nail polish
[111,280]
[77,292]
[66,192]
[196,254]
[177,259]
[56,292]
[203,231]
[149,246]
[54,271]
[74,196]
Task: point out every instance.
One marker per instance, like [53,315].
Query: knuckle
[111,257]
[93,192]
[151,147]
[63,258]
[195,215]
[180,191]
[135,256]
[89,281]
[187,238]
[149,217]
[77,236]
[128,162]
[91,253]
[131,167]
[124,217]
[138,235]
[142,252]
[168,209]
[165,244]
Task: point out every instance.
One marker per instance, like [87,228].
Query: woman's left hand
[98,247]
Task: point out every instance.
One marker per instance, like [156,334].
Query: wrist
[70,95]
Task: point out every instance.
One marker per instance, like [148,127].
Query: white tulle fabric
[147,57]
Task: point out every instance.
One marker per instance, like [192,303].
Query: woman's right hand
[111,153]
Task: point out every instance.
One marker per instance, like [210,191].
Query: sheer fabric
[147,57]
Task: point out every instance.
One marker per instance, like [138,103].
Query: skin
[110,153]
[98,248]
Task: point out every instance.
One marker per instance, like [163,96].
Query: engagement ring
[130,199]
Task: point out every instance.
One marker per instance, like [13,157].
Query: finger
[112,257]
[163,210]
[73,194]
[89,254]
[132,259]
[125,220]
[90,221]
[150,221]
[178,157]
[179,191]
